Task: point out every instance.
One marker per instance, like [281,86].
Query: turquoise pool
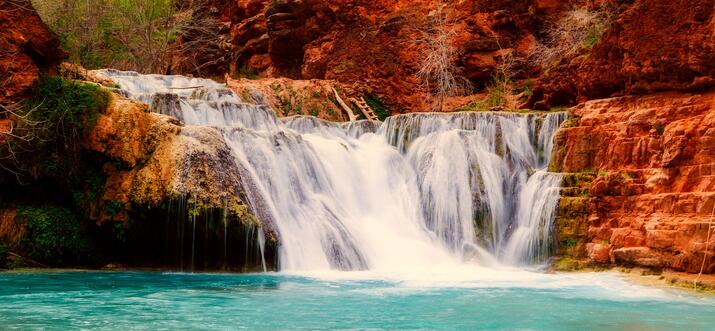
[499,300]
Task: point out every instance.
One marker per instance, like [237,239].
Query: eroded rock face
[652,195]
[27,48]
[653,46]
[376,45]
[159,159]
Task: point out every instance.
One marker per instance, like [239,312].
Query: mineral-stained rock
[377,45]
[598,252]
[159,159]
[654,191]
[27,48]
[655,45]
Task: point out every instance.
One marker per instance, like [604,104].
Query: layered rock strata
[643,187]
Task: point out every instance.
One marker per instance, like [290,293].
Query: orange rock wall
[375,46]
[653,46]
[27,48]
[654,189]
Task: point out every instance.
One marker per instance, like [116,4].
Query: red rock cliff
[654,190]
[376,45]
[654,45]
[27,48]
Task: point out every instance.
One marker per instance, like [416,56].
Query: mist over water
[417,191]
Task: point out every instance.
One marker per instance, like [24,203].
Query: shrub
[53,235]
[113,207]
[378,106]
[248,73]
[579,28]
[139,35]
[437,69]
[498,93]
[67,110]
[48,127]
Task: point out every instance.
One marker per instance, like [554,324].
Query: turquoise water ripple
[170,301]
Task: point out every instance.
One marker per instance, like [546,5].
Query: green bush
[4,250]
[69,105]
[248,73]
[63,111]
[135,35]
[53,235]
[378,106]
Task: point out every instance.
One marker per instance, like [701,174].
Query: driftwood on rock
[346,108]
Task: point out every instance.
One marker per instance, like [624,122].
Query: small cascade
[416,190]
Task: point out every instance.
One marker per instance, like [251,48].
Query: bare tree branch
[437,69]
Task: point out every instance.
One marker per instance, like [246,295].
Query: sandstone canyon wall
[643,170]
[27,49]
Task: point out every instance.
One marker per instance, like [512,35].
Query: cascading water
[419,189]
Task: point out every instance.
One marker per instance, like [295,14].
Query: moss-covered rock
[53,235]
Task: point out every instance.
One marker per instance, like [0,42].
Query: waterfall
[418,189]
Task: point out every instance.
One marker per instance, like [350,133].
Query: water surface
[463,300]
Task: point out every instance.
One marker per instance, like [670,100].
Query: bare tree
[437,69]
[577,29]
[19,135]
[141,35]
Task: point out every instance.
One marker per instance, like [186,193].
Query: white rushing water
[416,190]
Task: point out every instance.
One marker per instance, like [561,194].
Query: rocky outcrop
[376,46]
[28,47]
[157,159]
[650,194]
[652,46]
[289,97]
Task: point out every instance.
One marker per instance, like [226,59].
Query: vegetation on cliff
[140,35]
[44,168]
[54,236]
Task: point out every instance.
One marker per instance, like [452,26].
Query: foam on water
[502,300]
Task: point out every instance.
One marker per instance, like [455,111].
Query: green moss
[4,252]
[53,235]
[567,264]
[61,112]
[113,208]
[70,106]
[276,88]
[88,188]
[378,106]
[569,243]
[248,73]
[659,128]
[331,113]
